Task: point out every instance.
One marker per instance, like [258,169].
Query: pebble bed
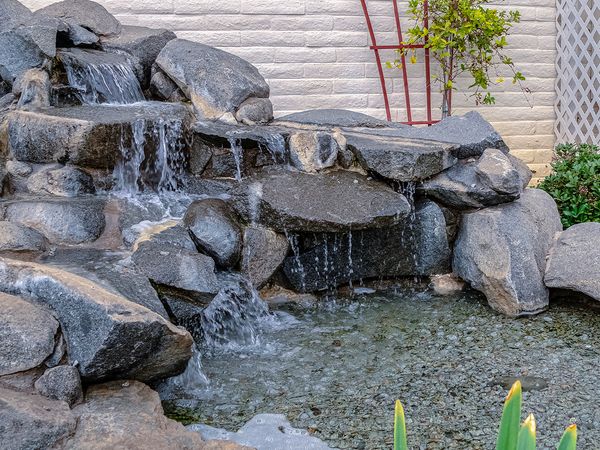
[339,369]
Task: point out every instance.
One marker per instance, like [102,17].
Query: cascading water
[192,381]
[237,151]
[102,78]
[298,267]
[275,146]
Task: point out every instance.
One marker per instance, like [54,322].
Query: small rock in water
[448,284]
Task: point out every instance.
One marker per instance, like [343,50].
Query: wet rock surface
[102,329]
[502,251]
[263,253]
[63,181]
[27,333]
[294,201]
[574,260]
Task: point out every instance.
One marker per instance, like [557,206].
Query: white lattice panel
[578,67]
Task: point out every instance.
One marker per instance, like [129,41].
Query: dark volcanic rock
[338,201]
[19,238]
[214,230]
[143,43]
[401,159]
[32,421]
[61,383]
[88,14]
[488,181]
[68,221]
[502,251]
[107,335]
[263,253]
[92,135]
[27,334]
[574,260]
[417,247]
[215,81]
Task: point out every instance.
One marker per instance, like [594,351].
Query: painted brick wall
[314,54]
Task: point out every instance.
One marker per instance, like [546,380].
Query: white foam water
[238,155]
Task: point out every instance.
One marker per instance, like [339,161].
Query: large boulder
[19,238]
[143,43]
[62,181]
[169,258]
[61,383]
[263,253]
[88,14]
[502,251]
[490,180]
[400,159]
[339,201]
[574,260]
[215,81]
[33,422]
[107,335]
[93,135]
[214,230]
[134,415]
[418,246]
[66,221]
[27,333]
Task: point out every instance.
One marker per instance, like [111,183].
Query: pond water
[337,368]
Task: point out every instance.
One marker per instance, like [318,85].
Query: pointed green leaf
[569,439]
[511,418]
[400,442]
[527,434]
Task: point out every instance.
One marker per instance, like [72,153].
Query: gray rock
[143,43]
[574,260]
[79,35]
[255,111]
[27,333]
[13,11]
[265,432]
[19,238]
[339,201]
[417,247]
[32,421]
[163,88]
[61,383]
[19,50]
[312,151]
[335,118]
[108,337]
[90,136]
[490,180]
[66,221]
[502,251]
[88,14]
[524,172]
[34,87]
[214,230]
[176,266]
[400,159]
[263,253]
[215,81]
[134,415]
[64,181]
[18,168]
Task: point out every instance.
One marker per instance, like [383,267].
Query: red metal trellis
[376,48]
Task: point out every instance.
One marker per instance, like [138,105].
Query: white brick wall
[315,54]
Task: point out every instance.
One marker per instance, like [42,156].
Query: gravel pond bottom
[338,369]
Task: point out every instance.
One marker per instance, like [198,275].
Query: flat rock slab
[62,221]
[417,247]
[215,81]
[401,159]
[32,421]
[265,432]
[574,260]
[27,333]
[502,251]
[338,201]
[88,136]
[109,336]
[335,118]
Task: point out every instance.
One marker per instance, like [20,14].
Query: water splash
[112,83]
[275,146]
[192,381]
[237,151]
[298,266]
[255,192]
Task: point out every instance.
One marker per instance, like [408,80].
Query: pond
[336,368]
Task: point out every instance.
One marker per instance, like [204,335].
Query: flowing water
[339,368]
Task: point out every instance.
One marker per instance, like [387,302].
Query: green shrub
[575,183]
[512,434]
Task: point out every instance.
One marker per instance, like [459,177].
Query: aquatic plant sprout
[511,436]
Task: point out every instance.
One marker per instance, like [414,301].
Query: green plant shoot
[511,419]
[527,434]
[569,439]
[400,441]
